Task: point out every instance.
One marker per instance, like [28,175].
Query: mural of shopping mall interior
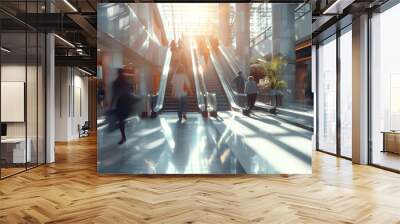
[216,88]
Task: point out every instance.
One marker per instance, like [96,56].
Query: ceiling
[328,13]
[74,21]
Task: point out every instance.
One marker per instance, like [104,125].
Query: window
[346,92]
[385,89]
[327,95]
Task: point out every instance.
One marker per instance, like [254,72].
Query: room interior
[68,188]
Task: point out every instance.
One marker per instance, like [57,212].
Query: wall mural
[175,96]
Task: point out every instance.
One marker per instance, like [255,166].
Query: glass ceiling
[202,18]
[189,18]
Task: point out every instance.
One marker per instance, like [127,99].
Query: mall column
[242,25]
[224,26]
[284,42]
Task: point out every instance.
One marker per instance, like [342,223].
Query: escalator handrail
[230,93]
[199,94]
[202,82]
[234,70]
[231,62]
[163,81]
[209,104]
[228,54]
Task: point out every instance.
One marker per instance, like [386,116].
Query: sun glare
[190,18]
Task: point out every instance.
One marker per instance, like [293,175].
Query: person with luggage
[180,90]
[250,90]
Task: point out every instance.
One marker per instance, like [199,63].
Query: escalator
[213,84]
[170,102]
[224,69]
[165,100]
[206,79]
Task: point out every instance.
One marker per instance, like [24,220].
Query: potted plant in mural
[272,83]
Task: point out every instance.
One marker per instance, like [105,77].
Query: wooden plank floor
[71,191]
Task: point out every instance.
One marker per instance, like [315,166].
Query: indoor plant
[272,83]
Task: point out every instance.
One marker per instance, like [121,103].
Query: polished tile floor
[231,144]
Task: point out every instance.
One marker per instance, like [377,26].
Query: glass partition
[13,105]
[22,91]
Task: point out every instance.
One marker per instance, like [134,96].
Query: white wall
[15,73]
[71,94]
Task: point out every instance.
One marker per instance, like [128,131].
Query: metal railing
[262,36]
[301,11]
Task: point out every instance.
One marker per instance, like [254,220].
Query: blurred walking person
[251,91]
[180,89]
[122,100]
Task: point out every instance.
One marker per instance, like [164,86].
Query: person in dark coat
[239,82]
[122,98]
